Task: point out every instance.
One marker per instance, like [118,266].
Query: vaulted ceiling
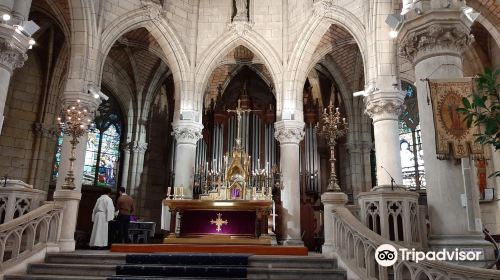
[138,55]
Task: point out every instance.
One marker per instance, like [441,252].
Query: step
[85,258]
[318,262]
[182,271]
[255,273]
[50,277]
[165,278]
[71,269]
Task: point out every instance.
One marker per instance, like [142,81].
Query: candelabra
[75,121]
[331,127]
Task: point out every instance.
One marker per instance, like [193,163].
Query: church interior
[286,139]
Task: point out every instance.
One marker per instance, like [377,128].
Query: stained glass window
[410,141]
[103,148]
[57,160]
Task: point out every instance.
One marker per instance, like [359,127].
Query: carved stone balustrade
[18,198]
[394,214]
[355,247]
[33,232]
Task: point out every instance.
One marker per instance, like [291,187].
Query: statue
[241,10]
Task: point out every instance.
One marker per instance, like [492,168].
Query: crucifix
[219,222]
[238,112]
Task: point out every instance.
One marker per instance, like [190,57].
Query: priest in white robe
[104,211]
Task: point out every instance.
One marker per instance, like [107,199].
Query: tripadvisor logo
[387,255]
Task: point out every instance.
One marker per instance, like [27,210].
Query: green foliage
[483,109]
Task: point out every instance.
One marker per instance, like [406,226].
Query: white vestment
[104,211]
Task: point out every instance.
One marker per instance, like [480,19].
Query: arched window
[410,141]
[102,157]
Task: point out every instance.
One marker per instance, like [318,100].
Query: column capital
[13,47]
[45,130]
[138,147]
[86,100]
[187,132]
[385,105]
[433,34]
[289,131]
[127,146]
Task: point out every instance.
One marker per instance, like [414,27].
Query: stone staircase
[96,265]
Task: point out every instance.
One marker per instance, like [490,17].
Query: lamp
[394,21]
[6,17]
[75,121]
[28,28]
[97,93]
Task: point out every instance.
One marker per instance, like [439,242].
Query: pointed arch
[228,41]
[165,36]
[301,58]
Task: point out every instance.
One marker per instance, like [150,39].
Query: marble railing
[24,236]
[356,244]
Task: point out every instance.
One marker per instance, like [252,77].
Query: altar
[219,222]
[234,203]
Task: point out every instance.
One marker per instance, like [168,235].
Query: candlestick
[330,128]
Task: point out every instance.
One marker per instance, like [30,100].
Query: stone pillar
[187,134]
[138,151]
[434,43]
[126,147]
[289,133]
[330,201]
[13,47]
[384,108]
[70,199]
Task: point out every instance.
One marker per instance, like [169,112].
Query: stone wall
[17,137]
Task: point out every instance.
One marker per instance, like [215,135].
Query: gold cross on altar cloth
[219,222]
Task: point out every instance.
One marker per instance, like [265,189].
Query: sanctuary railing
[18,198]
[28,234]
[356,244]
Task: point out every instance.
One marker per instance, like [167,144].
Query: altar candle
[182,191]
[168,192]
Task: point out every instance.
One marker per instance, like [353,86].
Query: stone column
[384,108]
[138,151]
[434,42]
[70,199]
[13,47]
[330,201]
[126,147]
[187,134]
[289,133]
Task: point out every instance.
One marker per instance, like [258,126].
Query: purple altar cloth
[196,222]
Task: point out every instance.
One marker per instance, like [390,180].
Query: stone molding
[289,132]
[45,130]
[10,57]
[134,146]
[127,146]
[384,105]
[187,133]
[240,28]
[323,7]
[153,11]
[86,100]
[436,37]
[139,147]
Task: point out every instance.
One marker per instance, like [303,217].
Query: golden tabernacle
[234,204]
